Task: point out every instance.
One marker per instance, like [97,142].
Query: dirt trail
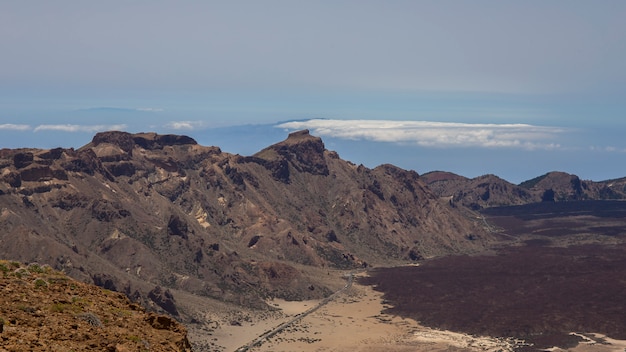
[259,340]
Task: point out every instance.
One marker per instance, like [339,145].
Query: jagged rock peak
[304,151]
[126,141]
[301,136]
[299,141]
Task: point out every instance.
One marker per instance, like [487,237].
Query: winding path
[259,340]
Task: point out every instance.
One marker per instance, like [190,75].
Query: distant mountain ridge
[491,191]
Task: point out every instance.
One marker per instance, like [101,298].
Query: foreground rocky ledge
[44,310]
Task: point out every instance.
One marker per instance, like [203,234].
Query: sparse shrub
[39,282]
[91,318]
[21,272]
[35,268]
[56,280]
[62,307]
[4,268]
[81,301]
[58,307]
[47,269]
[134,338]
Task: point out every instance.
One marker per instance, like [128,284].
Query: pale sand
[355,322]
[595,343]
[352,322]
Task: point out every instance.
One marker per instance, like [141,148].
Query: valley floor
[355,322]
[558,283]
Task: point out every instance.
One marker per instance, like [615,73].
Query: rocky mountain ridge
[151,215]
[491,191]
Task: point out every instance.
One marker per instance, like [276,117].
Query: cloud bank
[14,127]
[80,128]
[435,134]
[184,125]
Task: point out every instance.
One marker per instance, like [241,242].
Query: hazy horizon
[482,87]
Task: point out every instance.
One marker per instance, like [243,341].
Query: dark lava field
[565,271]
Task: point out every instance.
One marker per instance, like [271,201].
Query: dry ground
[356,322]
[560,284]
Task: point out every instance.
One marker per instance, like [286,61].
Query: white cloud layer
[184,125]
[14,127]
[80,128]
[435,134]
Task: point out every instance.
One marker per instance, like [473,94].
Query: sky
[515,89]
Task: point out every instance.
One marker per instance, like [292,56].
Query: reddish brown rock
[42,310]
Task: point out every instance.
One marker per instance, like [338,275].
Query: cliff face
[144,213]
[44,310]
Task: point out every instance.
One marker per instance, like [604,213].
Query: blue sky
[515,89]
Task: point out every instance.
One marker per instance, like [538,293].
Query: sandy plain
[355,321]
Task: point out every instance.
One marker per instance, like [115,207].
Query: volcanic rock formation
[147,214]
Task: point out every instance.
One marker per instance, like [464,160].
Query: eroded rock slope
[44,310]
[144,214]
